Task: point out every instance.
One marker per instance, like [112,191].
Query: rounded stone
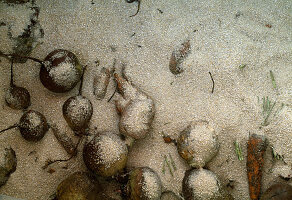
[105,154]
[198,144]
[17,98]
[77,112]
[144,183]
[201,184]
[60,71]
[33,125]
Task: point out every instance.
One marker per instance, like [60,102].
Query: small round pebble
[17,98]
[144,183]
[106,154]
[77,111]
[198,144]
[33,125]
[60,71]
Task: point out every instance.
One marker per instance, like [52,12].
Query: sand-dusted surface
[223,35]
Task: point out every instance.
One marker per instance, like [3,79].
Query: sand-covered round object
[144,183]
[33,125]
[198,144]
[60,71]
[201,184]
[77,111]
[106,154]
[169,195]
[78,186]
[278,192]
[17,98]
[8,163]
[136,108]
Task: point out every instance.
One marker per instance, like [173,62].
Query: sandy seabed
[224,35]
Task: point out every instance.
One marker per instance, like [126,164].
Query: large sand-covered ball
[202,184]
[77,112]
[144,183]
[106,154]
[60,71]
[198,144]
[33,125]
[78,186]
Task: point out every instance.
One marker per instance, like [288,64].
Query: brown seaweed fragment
[178,56]
[100,83]
[256,148]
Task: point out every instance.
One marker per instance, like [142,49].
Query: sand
[224,35]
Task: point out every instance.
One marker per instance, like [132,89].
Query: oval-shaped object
[198,144]
[17,98]
[144,183]
[202,184]
[8,163]
[77,112]
[60,71]
[33,125]
[106,154]
[78,186]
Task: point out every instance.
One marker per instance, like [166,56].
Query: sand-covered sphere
[105,154]
[77,111]
[169,195]
[17,98]
[33,125]
[78,186]
[8,163]
[60,71]
[198,144]
[201,184]
[144,183]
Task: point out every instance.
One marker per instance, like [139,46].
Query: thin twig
[10,127]
[238,150]
[169,167]
[113,94]
[273,79]
[212,82]
[172,162]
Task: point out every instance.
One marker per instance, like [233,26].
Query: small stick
[242,66]
[14,55]
[172,162]
[163,167]
[81,83]
[113,94]
[238,150]
[139,2]
[169,167]
[10,127]
[212,82]
[49,162]
[273,79]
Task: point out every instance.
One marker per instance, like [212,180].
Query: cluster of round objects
[198,144]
